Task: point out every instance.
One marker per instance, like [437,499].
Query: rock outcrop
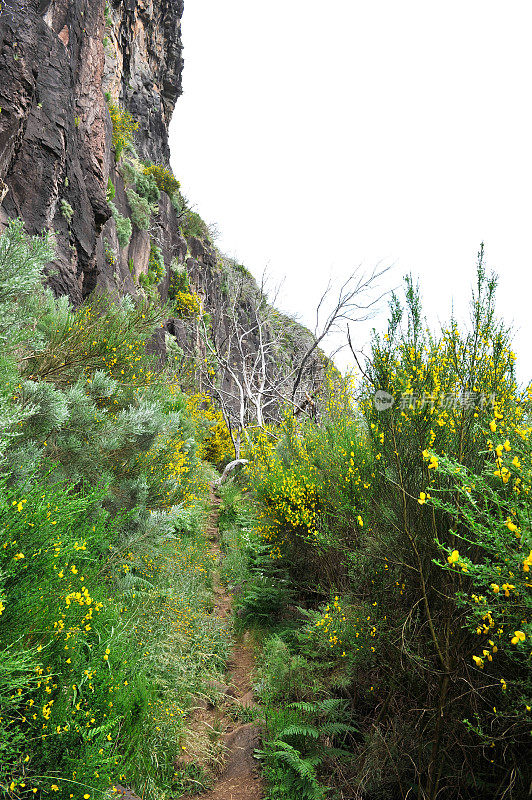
[57,59]
[63,63]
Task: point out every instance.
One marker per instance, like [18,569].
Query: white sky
[319,136]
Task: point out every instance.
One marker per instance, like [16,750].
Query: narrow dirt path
[240,779]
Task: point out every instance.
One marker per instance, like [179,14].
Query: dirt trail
[240,779]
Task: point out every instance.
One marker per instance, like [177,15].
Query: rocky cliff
[64,65]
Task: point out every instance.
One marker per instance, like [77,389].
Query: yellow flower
[18,556]
[495,587]
[518,636]
[511,525]
[433,463]
[493,426]
[422,497]
[507,446]
[360,521]
[478,661]
[453,558]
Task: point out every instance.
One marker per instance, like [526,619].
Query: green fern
[300,730]
[327,706]
[296,774]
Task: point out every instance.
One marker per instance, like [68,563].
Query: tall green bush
[124,127]
[105,592]
[123,226]
[408,512]
[140,210]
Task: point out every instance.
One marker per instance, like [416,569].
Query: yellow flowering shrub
[216,444]
[186,304]
[124,128]
[411,497]
[164,178]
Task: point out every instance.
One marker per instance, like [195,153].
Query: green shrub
[129,171]
[412,519]
[124,127]
[179,281]
[140,210]
[123,226]
[111,191]
[106,628]
[102,335]
[123,230]
[192,225]
[179,202]
[163,177]
[146,186]
[299,739]
[22,262]
[67,211]
[156,268]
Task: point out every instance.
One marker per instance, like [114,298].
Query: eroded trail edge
[240,777]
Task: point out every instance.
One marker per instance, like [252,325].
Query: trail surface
[240,779]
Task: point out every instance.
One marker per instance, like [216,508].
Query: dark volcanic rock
[58,61]
[55,130]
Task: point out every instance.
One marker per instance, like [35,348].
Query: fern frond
[300,730]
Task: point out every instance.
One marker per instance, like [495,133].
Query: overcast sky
[319,136]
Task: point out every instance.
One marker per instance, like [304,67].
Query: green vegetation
[380,553]
[140,210]
[192,225]
[184,301]
[108,16]
[105,593]
[124,227]
[383,558]
[156,268]
[110,254]
[146,186]
[124,127]
[163,178]
[111,191]
[67,211]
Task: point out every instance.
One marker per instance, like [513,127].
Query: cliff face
[56,60]
[61,63]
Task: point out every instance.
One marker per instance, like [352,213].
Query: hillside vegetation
[384,556]
[105,591]
[379,552]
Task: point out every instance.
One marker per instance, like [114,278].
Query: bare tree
[251,372]
[243,353]
[353,303]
